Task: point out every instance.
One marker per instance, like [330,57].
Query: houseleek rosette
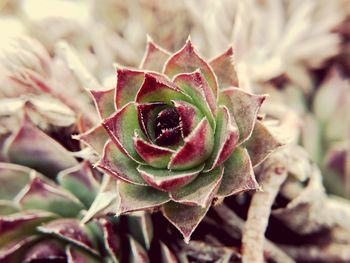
[177,134]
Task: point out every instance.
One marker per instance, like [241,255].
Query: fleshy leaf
[243,108]
[157,88]
[196,149]
[189,115]
[33,148]
[121,126]
[95,138]
[238,174]
[147,114]
[196,87]
[185,218]
[187,60]
[135,197]
[225,140]
[13,252]
[79,180]
[75,255]
[48,251]
[154,155]
[137,252]
[104,101]
[70,230]
[117,164]
[13,178]
[168,180]
[167,255]
[128,83]
[111,239]
[201,190]
[260,144]
[225,70]
[21,225]
[42,196]
[154,57]
[7,207]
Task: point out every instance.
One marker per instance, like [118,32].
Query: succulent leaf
[95,138]
[154,57]
[104,101]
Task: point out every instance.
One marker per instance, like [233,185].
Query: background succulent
[179,143]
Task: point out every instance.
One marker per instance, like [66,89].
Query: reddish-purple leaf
[189,115]
[243,108]
[167,255]
[154,58]
[121,126]
[104,101]
[137,253]
[225,70]
[201,190]
[111,239]
[187,60]
[136,198]
[128,83]
[119,165]
[226,138]
[70,230]
[13,252]
[185,218]
[196,149]
[168,180]
[152,154]
[157,88]
[48,197]
[33,148]
[260,144]
[238,174]
[45,251]
[196,87]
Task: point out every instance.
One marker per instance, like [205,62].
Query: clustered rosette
[177,134]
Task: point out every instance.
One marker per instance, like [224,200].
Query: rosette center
[167,127]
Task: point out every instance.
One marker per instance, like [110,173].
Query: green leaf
[104,101]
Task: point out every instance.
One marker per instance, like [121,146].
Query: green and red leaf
[154,57]
[243,108]
[128,83]
[104,101]
[95,138]
[238,174]
[188,60]
[136,198]
[196,149]
[168,180]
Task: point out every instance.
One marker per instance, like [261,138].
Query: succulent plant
[179,136]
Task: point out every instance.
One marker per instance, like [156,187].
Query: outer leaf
[152,154]
[260,144]
[243,108]
[47,156]
[185,218]
[117,164]
[77,256]
[195,86]
[13,252]
[135,198]
[188,60]
[189,115]
[95,138]
[128,83]
[157,88]
[225,70]
[200,191]
[104,101]
[168,180]
[48,251]
[69,230]
[21,225]
[7,208]
[141,228]
[13,178]
[154,58]
[79,180]
[121,126]
[111,240]
[226,138]
[238,175]
[167,255]
[196,149]
[42,196]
